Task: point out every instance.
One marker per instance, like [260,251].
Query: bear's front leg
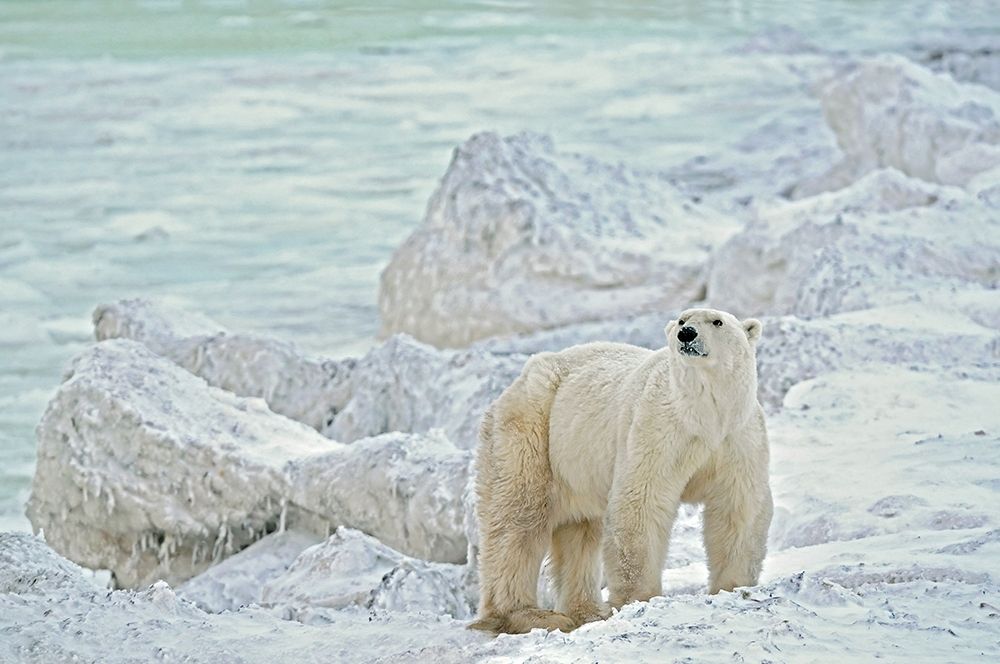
[645,495]
[738,508]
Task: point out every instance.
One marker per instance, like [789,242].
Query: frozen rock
[237,581]
[145,470]
[646,330]
[885,240]
[521,237]
[401,385]
[405,489]
[351,568]
[889,112]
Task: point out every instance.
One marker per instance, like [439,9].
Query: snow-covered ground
[267,489]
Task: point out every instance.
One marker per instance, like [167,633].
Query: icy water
[259,161]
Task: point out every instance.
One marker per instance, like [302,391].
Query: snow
[520,236]
[237,580]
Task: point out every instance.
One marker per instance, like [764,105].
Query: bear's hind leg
[509,565]
[577,571]
[514,488]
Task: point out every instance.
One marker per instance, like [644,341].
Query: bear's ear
[753,329]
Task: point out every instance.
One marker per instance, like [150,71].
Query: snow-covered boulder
[521,237]
[969,59]
[351,568]
[888,112]
[795,350]
[885,240]
[145,470]
[405,385]
[302,576]
[237,580]
[405,489]
[400,385]
[308,389]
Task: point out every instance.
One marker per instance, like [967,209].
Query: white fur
[593,449]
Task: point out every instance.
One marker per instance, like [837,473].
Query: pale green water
[283,149]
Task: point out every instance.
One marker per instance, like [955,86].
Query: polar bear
[594,448]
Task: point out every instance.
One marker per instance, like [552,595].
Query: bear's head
[711,337]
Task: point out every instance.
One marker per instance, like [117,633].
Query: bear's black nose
[686,334]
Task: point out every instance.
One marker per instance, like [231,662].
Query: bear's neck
[715,400]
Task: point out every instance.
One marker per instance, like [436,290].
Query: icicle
[284,514]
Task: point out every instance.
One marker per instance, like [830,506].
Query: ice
[521,237]
[145,470]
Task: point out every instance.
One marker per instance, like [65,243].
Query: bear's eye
[680,322]
[717,323]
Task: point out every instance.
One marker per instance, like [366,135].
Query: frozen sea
[259,161]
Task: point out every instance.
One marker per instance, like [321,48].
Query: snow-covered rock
[405,489]
[888,112]
[351,568]
[970,60]
[237,581]
[308,389]
[520,237]
[400,385]
[885,240]
[145,470]
[405,385]
[793,350]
